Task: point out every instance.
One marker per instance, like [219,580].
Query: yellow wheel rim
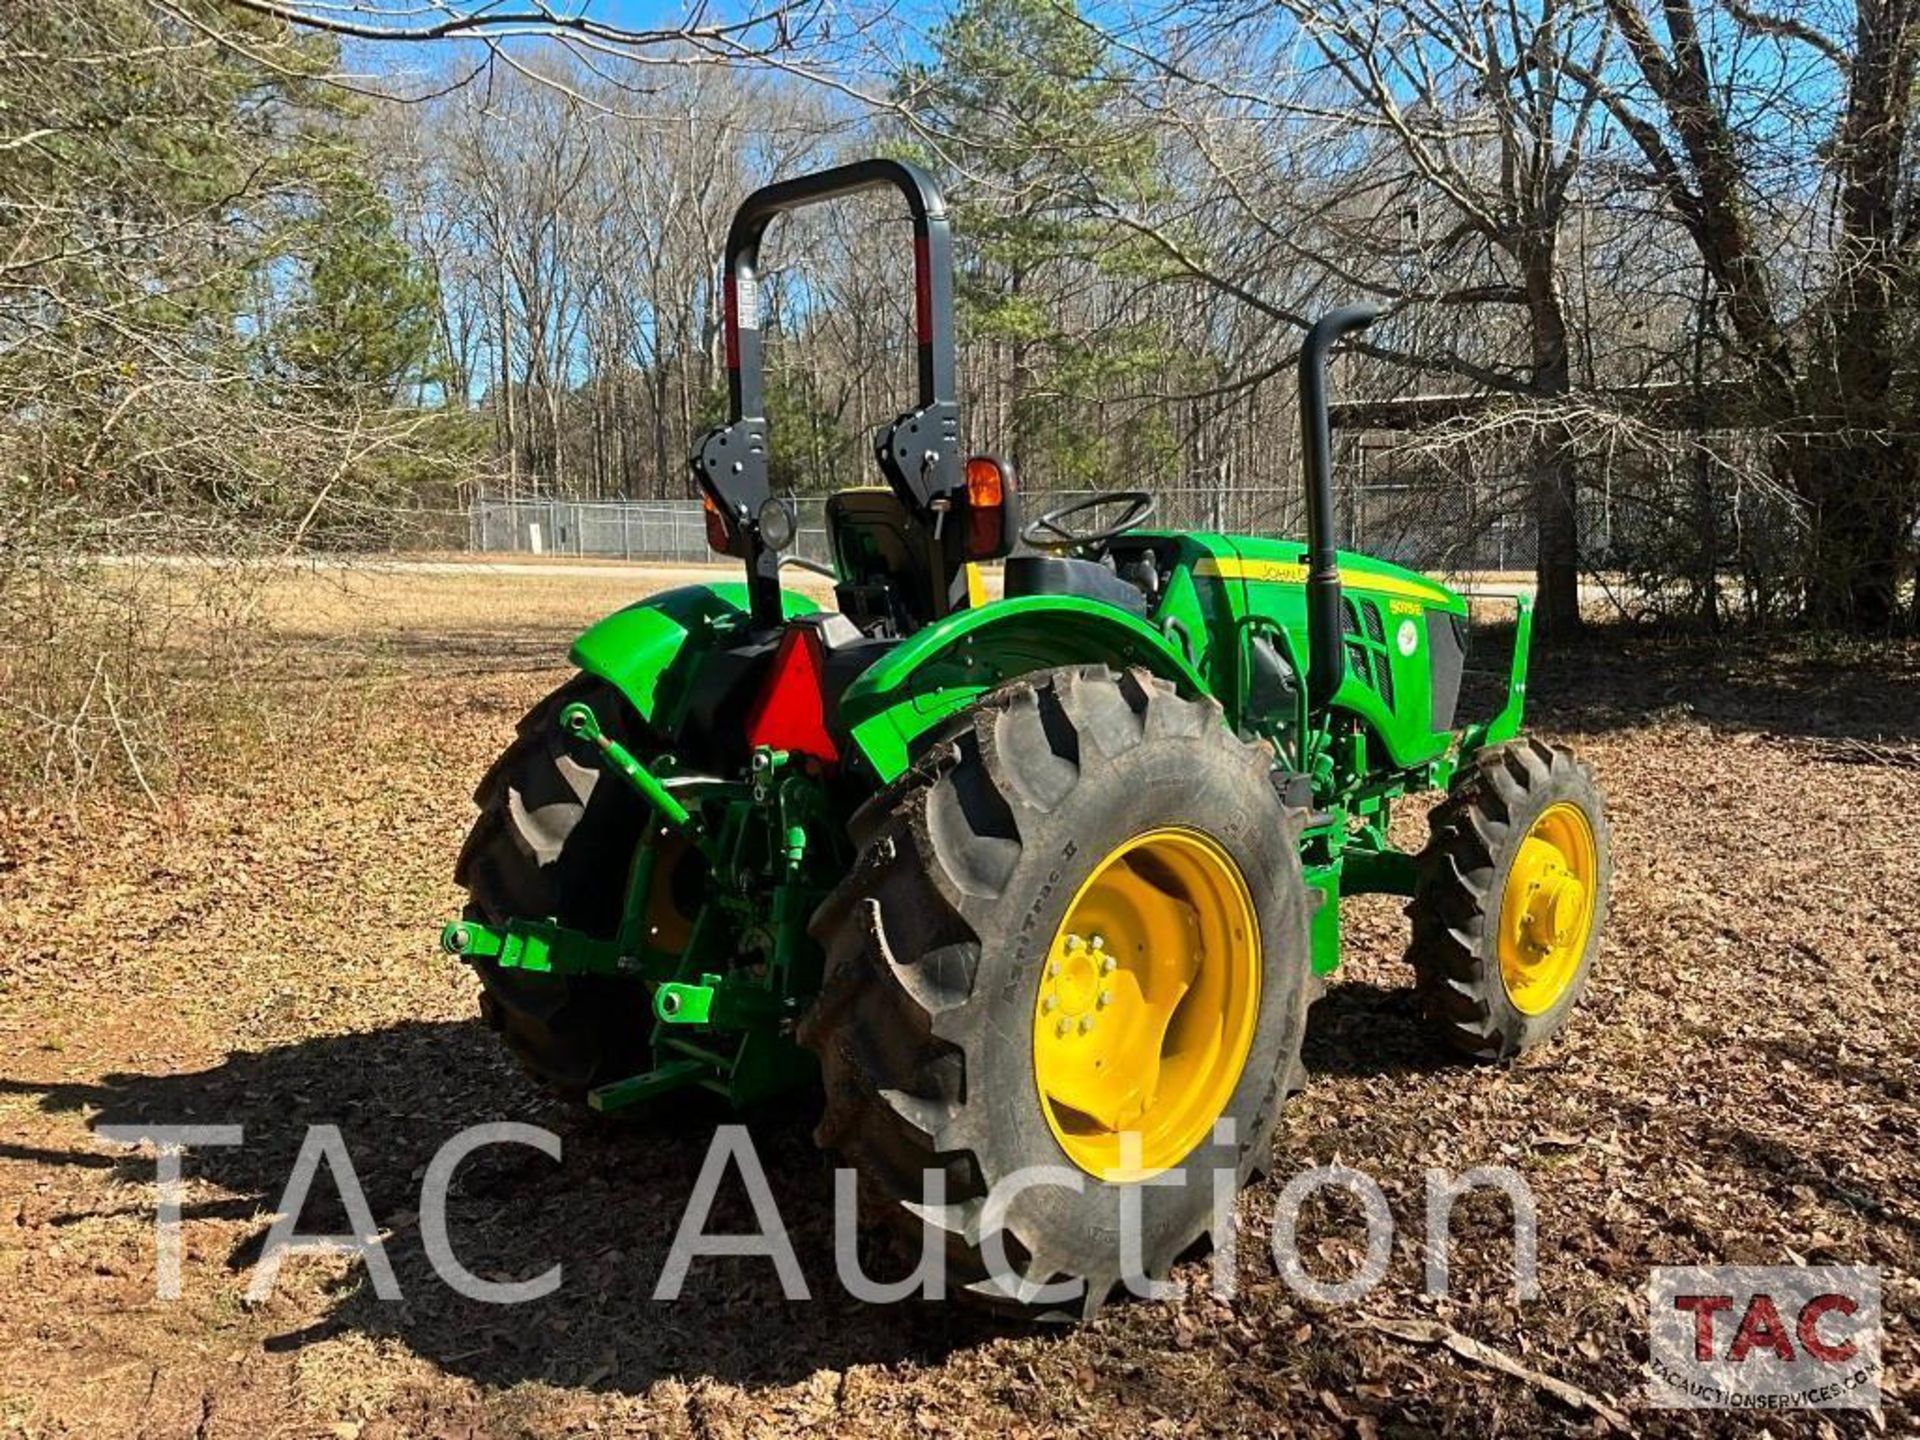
[1546,915]
[668,927]
[1146,1004]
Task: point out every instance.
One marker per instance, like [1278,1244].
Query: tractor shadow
[607,1212]
[1359,1030]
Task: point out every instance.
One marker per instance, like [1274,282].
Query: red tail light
[719,537]
[986,485]
[791,711]
[988,490]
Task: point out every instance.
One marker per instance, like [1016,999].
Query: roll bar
[919,452]
[1326,637]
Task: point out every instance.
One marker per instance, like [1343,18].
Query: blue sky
[905,20]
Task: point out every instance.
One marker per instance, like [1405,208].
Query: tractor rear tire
[1496,972]
[556,839]
[933,1020]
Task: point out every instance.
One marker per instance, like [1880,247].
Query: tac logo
[1764,1337]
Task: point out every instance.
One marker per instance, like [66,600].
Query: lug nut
[1074,942]
[1053,968]
[1064,1026]
[1050,1004]
[1086,1023]
[1105,999]
[1109,965]
[1099,942]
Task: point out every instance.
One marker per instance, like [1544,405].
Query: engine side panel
[1392,667]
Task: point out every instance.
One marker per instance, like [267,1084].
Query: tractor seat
[1064,575]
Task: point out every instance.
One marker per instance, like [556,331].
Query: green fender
[944,668]
[637,650]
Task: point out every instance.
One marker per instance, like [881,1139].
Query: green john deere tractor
[1048,880]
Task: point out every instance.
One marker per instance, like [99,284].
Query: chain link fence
[1414,513]
[651,530]
[1440,526]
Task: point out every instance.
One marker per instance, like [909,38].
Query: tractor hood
[1284,562]
[1405,636]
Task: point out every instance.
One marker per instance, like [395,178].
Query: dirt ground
[1739,1087]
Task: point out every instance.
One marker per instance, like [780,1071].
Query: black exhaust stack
[1326,642]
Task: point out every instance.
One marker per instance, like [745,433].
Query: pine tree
[1022,100]
[364,327]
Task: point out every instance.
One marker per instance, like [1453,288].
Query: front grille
[1360,661]
[1382,661]
[1366,638]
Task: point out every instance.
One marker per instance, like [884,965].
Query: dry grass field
[259,949]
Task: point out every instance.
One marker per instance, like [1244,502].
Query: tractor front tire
[1511,901]
[958,1014]
[555,839]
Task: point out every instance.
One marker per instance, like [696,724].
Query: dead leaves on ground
[1739,1087]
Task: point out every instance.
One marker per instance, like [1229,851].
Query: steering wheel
[1051,532]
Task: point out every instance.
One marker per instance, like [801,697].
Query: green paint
[727,1002]
[578,719]
[537,946]
[649,651]
[1324,926]
[1266,579]
[678,1003]
[773,827]
[1382,871]
[945,667]
[1505,725]
[640,1089]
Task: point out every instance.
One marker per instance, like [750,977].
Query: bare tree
[207,334]
[1824,345]
[1478,102]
